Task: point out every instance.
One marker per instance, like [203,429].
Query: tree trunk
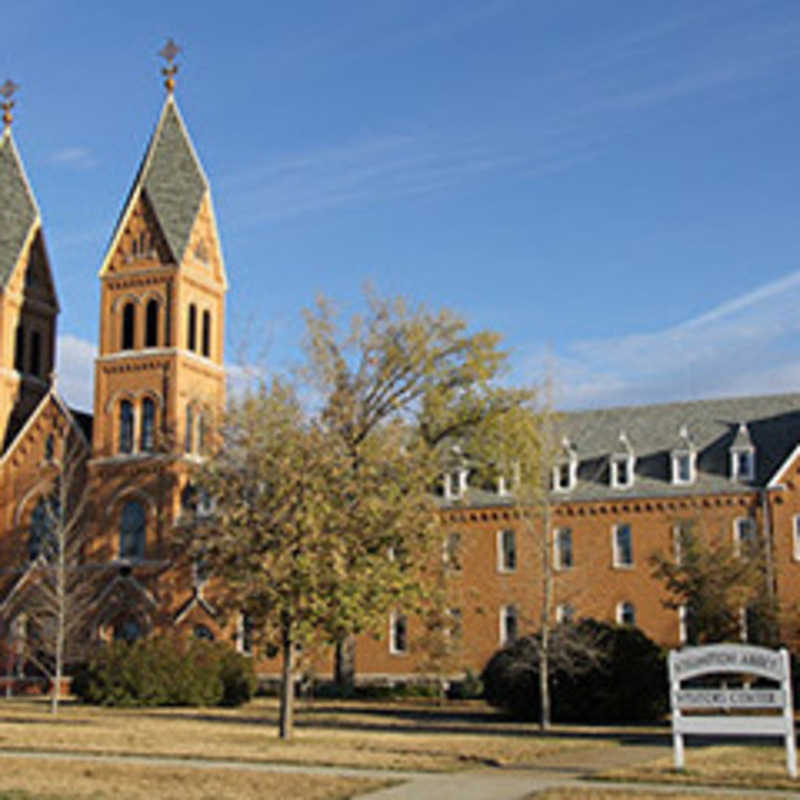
[344,667]
[286,718]
[547,602]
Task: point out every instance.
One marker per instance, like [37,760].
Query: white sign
[724,659]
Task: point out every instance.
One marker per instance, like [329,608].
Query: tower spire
[7,91]
[169,52]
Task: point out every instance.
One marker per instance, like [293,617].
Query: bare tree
[52,630]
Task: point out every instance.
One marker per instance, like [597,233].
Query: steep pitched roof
[712,426]
[19,213]
[171,176]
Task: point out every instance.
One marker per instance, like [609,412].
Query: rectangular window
[398,634]
[745,540]
[796,537]
[244,634]
[563,548]
[452,551]
[565,614]
[622,478]
[681,532]
[682,468]
[623,546]
[455,629]
[562,477]
[506,551]
[509,625]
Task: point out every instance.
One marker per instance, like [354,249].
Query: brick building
[626,480]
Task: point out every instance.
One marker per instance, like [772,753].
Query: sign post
[740,659]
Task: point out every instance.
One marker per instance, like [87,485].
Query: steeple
[28,304]
[160,366]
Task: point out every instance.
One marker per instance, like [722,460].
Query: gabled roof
[19,214]
[171,176]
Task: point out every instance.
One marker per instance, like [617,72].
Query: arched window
[132,530]
[201,433]
[128,630]
[126,427]
[151,331]
[203,632]
[19,352]
[206,333]
[189,441]
[128,326]
[41,526]
[36,353]
[148,435]
[191,333]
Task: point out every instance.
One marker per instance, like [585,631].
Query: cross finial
[7,91]
[169,52]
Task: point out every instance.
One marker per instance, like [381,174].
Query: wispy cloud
[743,346]
[381,168]
[74,157]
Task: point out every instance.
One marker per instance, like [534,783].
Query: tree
[299,540]
[398,365]
[59,586]
[521,446]
[713,585]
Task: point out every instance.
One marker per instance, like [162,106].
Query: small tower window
[189,441]
[132,530]
[206,333]
[191,333]
[128,326]
[19,351]
[148,436]
[125,427]
[49,447]
[201,433]
[151,335]
[36,353]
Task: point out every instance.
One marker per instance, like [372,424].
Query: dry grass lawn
[360,735]
[621,794]
[26,779]
[738,767]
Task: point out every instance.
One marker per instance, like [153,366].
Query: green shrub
[624,680]
[165,671]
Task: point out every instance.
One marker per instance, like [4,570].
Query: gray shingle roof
[773,422]
[173,180]
[18,211]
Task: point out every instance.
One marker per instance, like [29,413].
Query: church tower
[28,303]
[159,374]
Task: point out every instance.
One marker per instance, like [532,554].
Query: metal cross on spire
[7,91]
[169,52]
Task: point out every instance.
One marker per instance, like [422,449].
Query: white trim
[615,560]
[774,481]
[737,539]
[565,612]
[796,537]
[736,475]
[394,618]
[677,455]
[683,628]
[504,637]
[614,463]
[557,560]
[620,612]
[501,565]
[572,475]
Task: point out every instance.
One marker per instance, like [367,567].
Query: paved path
[568,769]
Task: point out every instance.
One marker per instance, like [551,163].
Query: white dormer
[742,455]
[684,459]
[565,470]
[622,463]
[455,483]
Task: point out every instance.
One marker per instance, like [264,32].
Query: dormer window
[743,455]
[622,463]
[565,472]
[455,484]
[684,459]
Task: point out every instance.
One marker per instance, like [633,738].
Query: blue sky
[612,186]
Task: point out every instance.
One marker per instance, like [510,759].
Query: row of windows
[509,623]
[745,538]
[147,427]
[28,352]
[152,327]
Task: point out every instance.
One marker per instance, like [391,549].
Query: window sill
[623,566]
